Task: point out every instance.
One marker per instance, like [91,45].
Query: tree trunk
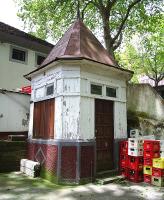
[108,38]
[156,83]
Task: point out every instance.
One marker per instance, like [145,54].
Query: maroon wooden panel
[43,121]
[36,119]
[104,133]
[49,118]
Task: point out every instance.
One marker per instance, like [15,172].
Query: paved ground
[14,186]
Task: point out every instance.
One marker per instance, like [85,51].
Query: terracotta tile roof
[79,42]
[16,36]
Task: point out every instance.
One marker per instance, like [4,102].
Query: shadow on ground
[15,186]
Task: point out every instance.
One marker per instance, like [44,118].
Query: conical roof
[79,42]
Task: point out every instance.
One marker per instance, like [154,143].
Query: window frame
[111,88]
[20,49]
[49,85]
[96,84]
[39,54]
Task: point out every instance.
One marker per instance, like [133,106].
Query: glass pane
[111,92]
[18,55]
[40,59]
[96,89]
[49,90]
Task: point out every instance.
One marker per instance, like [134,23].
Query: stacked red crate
[123,157]
[135,159]
[151,150]
[135,162]
[158,172]
[135,168]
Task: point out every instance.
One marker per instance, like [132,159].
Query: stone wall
[145,110]
[144,99]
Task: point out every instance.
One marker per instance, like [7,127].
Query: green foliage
[130,59]
[49,18]
[110,18]
[145,59]
[153,56]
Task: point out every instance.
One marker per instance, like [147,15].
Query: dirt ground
[15,186]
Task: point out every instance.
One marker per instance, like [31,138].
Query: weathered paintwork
[74,103]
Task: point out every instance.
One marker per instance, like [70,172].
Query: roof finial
[78,9]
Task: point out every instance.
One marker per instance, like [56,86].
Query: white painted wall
[30,131]
[12,72]
[90,74]
[14,108]
[74,104]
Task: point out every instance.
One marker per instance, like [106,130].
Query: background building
[19,54]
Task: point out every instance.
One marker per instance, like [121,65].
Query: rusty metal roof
[79,42]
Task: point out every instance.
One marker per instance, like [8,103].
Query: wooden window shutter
[43,121]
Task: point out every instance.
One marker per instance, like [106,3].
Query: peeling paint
[74,105]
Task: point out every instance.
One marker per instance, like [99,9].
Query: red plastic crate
[124,147]
[135,175]
[151,154]
[135,162]
[147,178]
[123,160]
[151,145]
[124,172]
[148,161]
[157,172]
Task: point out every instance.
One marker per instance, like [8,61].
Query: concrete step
[113,179]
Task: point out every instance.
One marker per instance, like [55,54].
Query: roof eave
[42,68]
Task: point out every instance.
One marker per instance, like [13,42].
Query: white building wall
[30,131]
[120,120]
[74,104]
[12,72]
[87,122]
[71,117]
[87,117]
[14,112]
[67,98]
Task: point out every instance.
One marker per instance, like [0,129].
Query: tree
[153,57]
[129,58]
[114,17]
[148,59]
